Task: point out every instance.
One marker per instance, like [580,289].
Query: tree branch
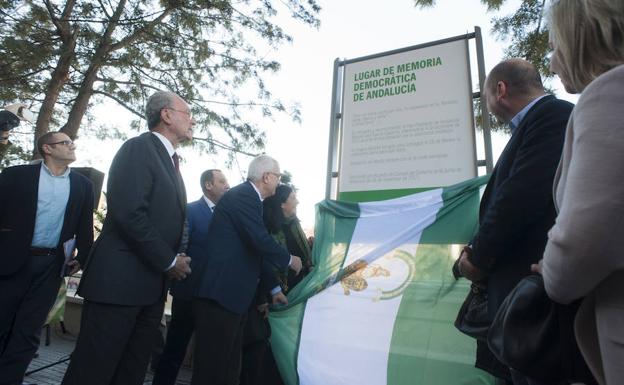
[104,9]
[135,36]
[120,102]
[224,146]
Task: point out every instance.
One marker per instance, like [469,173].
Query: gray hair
[589,34]
[259,166]
[155,104]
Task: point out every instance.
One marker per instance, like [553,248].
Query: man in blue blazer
[517,208]
[198,215]
[42,207]
[241,250]
[126,275]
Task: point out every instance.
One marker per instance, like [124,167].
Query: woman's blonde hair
[589,35]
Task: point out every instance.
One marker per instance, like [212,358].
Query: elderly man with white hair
[241,253]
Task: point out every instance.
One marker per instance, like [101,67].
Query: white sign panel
[407,120]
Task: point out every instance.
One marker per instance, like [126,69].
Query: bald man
[517,209]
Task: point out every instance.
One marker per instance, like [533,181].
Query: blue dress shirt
[515,121]
[52,200]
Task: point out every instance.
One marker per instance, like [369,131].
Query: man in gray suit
[125,277]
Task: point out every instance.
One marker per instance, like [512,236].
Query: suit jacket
[583,257]
[142,230]
[241,250]
[517,207]
[19,188]
[198,216]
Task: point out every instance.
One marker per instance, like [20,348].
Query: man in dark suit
[240,251]
[198,215]
[44,208]
[125,277]
[517,208]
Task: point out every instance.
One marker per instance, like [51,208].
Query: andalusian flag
[379,306]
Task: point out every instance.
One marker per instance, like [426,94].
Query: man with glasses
[228,276]
[140,249]
[46,210]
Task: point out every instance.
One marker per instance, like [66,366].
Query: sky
[349,29]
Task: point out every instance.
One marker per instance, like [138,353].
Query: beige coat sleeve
[586,243]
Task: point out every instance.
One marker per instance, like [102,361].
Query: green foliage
[528,36]
[525,29]
[12,154]
[287,178]
[212,53]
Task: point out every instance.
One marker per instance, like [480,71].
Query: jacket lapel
[207,213]
[509,148]
[75,191]
[33,195]
[167,164]
[528,117]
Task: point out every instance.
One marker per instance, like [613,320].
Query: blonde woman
[584,256]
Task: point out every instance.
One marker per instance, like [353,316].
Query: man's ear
[164,115]
[501,90]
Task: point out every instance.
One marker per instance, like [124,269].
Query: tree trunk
[58,80]
[60,75]
[79,108]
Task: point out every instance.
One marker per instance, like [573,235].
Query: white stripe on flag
[347,329]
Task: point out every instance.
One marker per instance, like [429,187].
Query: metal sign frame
[337,106]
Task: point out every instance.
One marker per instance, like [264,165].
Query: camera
[8,120]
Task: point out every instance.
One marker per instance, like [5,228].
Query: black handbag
[535,336]
[472,318]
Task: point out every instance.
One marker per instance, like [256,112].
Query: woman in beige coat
[584,256]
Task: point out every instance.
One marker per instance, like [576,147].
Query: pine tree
[62,57]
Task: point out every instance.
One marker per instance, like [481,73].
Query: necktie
[176,161]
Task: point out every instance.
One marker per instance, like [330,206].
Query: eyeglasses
[190,115]
[63,142]
[277,174]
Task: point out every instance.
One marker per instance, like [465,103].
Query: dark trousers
[253,357]
[218,344]
[26,297]
[270,372]
[179,334]
[114,344]
[520,379]
[256,333]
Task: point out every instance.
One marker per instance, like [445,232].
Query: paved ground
[61,345]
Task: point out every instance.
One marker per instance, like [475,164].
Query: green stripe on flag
[426,348]
[378,195]
[418,347]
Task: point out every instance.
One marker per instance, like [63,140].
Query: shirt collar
[45,169]
[258,191]
[516,120]
[210,204]
[166,143]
